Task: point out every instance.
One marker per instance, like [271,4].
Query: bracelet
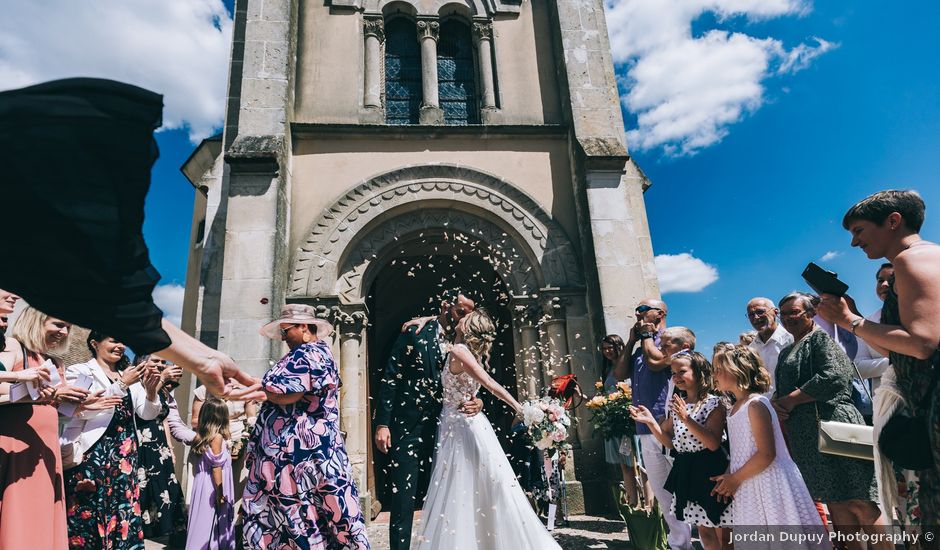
[855,323]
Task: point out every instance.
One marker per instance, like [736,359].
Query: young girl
[765,482]
[211,512]
[694,427]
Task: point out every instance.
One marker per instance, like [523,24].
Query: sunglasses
[644,308]
[284,331]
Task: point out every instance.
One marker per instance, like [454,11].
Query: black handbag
[905,438]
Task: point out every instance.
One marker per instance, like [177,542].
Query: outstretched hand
[642,415]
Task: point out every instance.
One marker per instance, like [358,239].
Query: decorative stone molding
[554,307]
[350,323]
[333,259]
[483,31]
[374,26]
[428,29]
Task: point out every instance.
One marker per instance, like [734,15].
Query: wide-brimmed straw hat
[296,314]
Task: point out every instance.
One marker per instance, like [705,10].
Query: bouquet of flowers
[611,411]
[547,422]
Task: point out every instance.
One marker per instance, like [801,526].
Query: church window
[456,74]
[402,72]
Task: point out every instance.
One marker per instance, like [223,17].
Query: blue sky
[772,118]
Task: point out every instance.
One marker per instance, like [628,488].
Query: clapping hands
[678,408]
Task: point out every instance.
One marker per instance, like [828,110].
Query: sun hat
[297,314]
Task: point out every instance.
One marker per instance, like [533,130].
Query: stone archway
[319,268]
[442,210]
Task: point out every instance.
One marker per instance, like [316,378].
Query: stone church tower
[376,152]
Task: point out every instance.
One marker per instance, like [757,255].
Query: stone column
[529,372]
[483,35]
[431,112]
[374,30]
[351,325]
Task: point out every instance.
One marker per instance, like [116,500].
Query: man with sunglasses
[409,408]
[771,336]
[651,377]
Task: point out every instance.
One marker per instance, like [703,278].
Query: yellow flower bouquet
[611,411]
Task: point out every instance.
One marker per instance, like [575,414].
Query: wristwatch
[645,335]
[856,322]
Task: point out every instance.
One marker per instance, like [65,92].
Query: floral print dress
[300,491]
[101,493]
[161,497]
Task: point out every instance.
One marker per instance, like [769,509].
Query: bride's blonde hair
[480,335]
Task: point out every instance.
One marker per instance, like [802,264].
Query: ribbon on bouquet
[548,468]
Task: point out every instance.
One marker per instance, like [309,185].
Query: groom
[409,408]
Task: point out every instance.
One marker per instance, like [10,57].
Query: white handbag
[845,439]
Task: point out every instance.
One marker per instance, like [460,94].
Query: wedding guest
[161,497]
[887,225]
[771,337]
[297,442]
[7,304]
[763,480]
[32,514]
[872,364]
[651,389]
[242,416]
[100,449]
[616,368]
[694,428]
[814,384]
[212,506]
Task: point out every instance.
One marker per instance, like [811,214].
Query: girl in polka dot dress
[694,427]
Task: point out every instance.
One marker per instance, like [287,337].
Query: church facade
[378,152]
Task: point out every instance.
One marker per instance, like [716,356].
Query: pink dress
[32,495]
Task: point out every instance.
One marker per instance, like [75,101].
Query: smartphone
[823,281]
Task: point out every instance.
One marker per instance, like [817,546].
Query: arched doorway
[410,284]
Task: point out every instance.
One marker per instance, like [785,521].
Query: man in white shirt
[771,336]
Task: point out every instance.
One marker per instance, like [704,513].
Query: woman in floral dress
[161,497]
[102,491]
[300,491]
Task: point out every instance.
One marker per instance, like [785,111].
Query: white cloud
[683,273]
[169,298]
[686,91]
[829,256]
[178,48]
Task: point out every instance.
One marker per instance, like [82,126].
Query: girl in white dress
[474,500]
[694,427]
[766,484]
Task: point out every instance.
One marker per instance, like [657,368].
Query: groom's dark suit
[410,405]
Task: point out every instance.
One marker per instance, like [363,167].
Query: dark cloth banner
[76,156]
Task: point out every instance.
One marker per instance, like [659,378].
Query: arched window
[402,72]
[456,74]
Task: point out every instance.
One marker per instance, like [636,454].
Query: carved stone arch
[317,261]
[429,9]
[440,231]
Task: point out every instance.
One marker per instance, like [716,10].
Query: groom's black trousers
[409,471]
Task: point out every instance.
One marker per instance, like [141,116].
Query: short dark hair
[876,208]
[886,265]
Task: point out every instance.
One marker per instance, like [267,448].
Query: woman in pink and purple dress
[300,491]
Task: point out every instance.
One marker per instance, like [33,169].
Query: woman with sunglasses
[300,491]
[161,496]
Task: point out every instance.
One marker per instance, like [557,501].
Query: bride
[474,500]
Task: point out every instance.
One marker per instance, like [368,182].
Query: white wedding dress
[474,501]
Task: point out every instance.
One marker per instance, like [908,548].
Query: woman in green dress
[813,384]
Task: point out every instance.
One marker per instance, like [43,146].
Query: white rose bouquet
[547,422]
